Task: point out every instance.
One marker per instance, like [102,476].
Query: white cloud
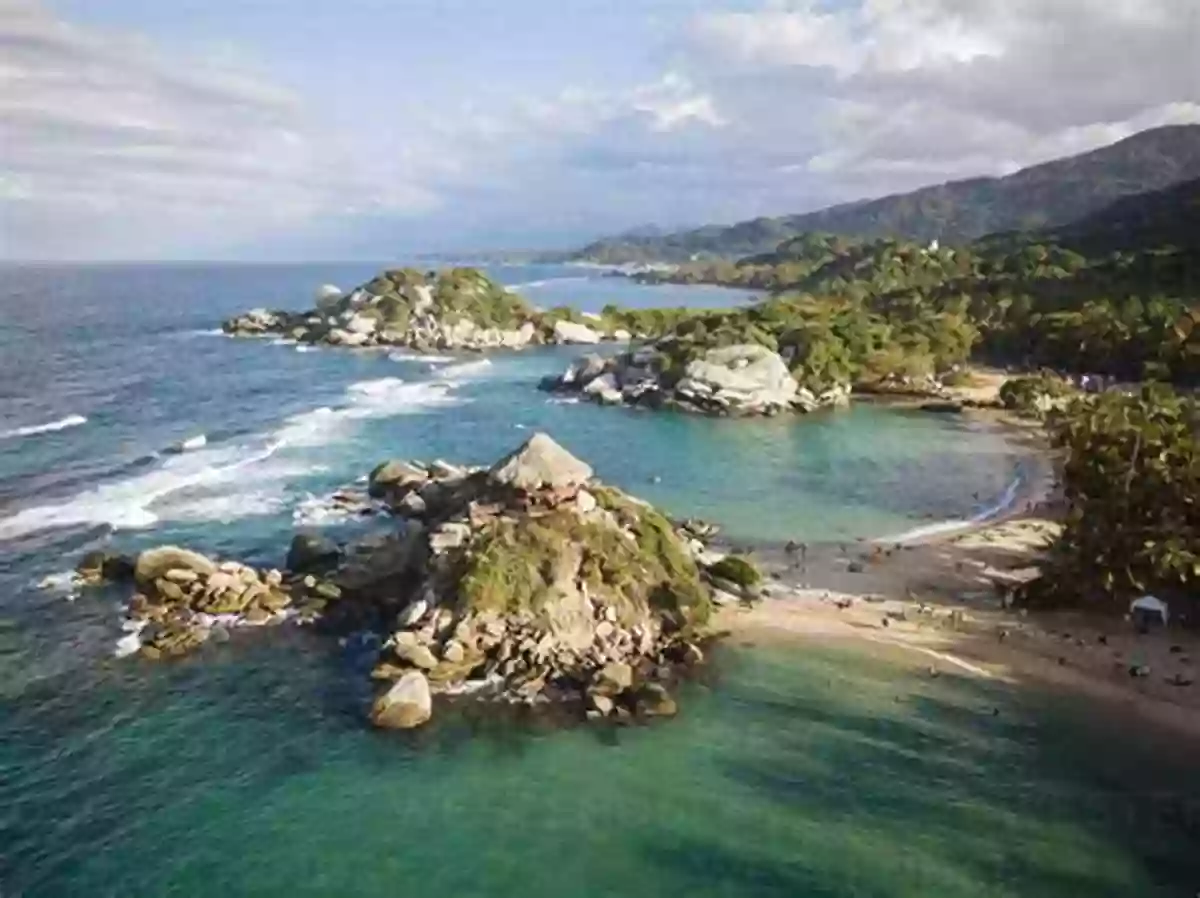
[913,91]
[113,145]
[110,148]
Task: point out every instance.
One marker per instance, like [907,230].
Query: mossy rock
[736,569]
[513,565]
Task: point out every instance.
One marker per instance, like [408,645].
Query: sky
[362,129]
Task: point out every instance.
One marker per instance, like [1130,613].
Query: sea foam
[51,427]
[210,483]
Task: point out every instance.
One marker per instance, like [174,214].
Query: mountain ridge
[1045,196]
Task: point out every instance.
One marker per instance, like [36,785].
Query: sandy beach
[939,601]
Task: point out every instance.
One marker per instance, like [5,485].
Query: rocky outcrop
[538,584]
[184,598]
[524,582]
[407,703]
[456,309]
[745,379]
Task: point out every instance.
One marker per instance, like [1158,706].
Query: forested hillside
[1043,196]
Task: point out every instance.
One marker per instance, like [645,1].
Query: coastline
[938,600]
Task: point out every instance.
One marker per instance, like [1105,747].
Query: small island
[455,309]
[527,582]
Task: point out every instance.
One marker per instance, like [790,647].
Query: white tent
[1148,607]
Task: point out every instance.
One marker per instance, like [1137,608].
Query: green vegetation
[737,569]
[519,565]
[1131,481]
[1034,395]
[1106,295]
[1043,196]
[456,294]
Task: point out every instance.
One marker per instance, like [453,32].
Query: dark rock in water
[312,553]
[393,475]
[653,700]
[98,565]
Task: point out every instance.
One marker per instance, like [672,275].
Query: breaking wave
[35,429]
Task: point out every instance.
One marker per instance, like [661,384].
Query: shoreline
[939,600]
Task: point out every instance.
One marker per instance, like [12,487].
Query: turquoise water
[247,770]
[792,772]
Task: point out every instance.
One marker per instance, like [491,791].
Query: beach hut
[1147,612]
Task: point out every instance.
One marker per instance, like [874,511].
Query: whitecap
[465,370]
[224,508]
[65,582]
[324,511]
[129,644]
[207,332]
[563,400]
[51,427]
[125,504]
[305,347]
[427,358]
[191,443]
[209,482]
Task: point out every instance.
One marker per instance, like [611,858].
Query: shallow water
[792,772]
[247,770]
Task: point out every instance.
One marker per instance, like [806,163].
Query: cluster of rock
[745,379]
[457,309]
[538,585]
[184,598]
[527,582]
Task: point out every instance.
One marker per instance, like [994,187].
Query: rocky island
[527,582]
[456,309]
[742,379]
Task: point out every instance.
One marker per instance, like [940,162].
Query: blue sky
[364,128]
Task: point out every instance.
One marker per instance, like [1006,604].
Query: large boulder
[155,563]
[394,475]
[405,705]
[540,463]
[604,389]
[328,298]
[747,378]
[311,553]
[746,369]
[570,332]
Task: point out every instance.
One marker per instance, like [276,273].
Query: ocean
[247,770]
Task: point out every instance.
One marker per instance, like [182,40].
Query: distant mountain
[1160,218]
[1042,197]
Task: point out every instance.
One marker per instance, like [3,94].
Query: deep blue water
[234,773]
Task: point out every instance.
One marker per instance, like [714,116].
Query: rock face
[456,309]
[183,597]
[527,582]
[541,464]
[570,332]
[750,378]
[745,379]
